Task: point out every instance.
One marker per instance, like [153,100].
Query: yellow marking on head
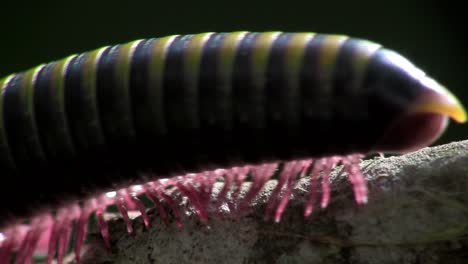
[440,101]
[454,111]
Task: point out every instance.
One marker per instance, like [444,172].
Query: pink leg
[356,178]
[152,195]
[291,174]
[142,209]
[279,186]
[11,241]
[122,207]
[186,188]
[317,167]
[329,164]
[82,226]
[159,189]
[103,227]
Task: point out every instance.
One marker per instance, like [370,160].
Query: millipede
[110,126]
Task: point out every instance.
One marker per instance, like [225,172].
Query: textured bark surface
[417,213]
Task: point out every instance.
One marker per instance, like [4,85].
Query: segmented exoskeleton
[168,106]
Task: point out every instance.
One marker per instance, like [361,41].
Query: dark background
[428,33]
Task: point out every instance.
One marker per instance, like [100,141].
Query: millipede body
[97,121]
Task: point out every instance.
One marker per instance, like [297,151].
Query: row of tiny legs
[51,233]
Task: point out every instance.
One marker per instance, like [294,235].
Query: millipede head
[420,106]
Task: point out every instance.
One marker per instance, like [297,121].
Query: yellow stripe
[89,87]
[364,52]
[155,81]
[293,64]
[123,65]
[226,57]
[262,48]
[5,81]
[259,61]
[192,60]
[329,52]
[295,57]
[89,71]
[361,59]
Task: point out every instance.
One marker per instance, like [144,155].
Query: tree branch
[417,213]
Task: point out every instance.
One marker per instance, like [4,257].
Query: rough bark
[417,213]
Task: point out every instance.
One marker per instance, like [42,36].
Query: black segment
[277,90]
[22,189]
[179,138]
[344,77]
[7,163]
[183,146]
[247,98]
[382,73]
[349,110]
[112,101]
[316,112]
[50,119]
[141,103]
[23,141]
[152,148]
[246,130]
[215,105]
[389,92]
[177,112]
[93,155]
[115,115]
[14,199]
[213,113]
[282,116]
[78,107]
